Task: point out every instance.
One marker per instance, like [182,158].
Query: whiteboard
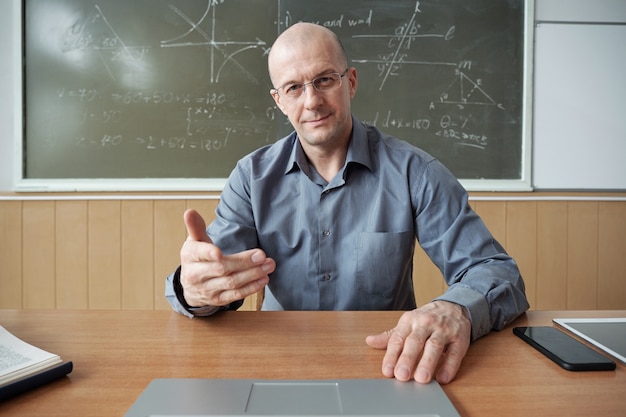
[579,140]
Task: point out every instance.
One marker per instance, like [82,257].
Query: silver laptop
[245,397]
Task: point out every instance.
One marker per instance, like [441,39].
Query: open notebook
[24,367]
[243,397]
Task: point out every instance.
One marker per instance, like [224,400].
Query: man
[327,218]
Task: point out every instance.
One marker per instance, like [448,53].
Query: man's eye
[293,88]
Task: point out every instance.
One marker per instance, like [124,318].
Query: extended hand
[432,338]
[209,277]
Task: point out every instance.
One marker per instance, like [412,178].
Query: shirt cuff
[476,306]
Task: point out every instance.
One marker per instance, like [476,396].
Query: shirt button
[326,277]
[326,233]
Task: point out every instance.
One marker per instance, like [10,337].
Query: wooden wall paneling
[104,254]
[250,303]
[137,254]
[115,254]
[38,249]
[551,255]
[582,255]
[521,243]
[493,214]
[612,256]
[256,300]
[71,271]
[169,235]
[205,207]
[11,254]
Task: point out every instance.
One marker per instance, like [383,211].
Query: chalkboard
[160,89]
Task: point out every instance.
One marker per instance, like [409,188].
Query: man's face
[320,118]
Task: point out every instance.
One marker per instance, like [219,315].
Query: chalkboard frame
[23,184]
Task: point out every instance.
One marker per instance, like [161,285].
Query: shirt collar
[358,150]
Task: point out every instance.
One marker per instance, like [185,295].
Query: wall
[8,31]
[577,120]
[115,253]
[579,88]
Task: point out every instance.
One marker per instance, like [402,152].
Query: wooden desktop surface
[117,353]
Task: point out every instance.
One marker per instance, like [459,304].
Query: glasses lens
[321,84]
[326,82]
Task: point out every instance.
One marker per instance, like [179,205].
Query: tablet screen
[608,334]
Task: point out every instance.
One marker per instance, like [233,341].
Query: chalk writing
[115,85]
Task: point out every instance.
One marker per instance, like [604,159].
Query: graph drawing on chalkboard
[168,95]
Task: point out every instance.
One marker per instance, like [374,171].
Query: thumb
[378,341]
[196,227]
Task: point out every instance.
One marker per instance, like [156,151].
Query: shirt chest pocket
[384,262]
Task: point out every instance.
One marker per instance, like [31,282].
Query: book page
[18,358]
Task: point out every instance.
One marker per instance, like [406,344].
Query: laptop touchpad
[296,398]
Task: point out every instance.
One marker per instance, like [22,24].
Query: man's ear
[276,98]
[354,82]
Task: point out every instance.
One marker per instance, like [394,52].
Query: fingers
[404,348]
[402,354]
[244,264]
[209,277]
[427,343]
[198,247]
[237,285]
[196,227]
[452,362]
[378,341]
[433,353]
[212,281]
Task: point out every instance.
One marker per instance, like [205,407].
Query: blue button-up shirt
[349,244]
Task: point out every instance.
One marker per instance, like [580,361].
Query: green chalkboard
[179,88]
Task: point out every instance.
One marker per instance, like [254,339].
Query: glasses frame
[311,83]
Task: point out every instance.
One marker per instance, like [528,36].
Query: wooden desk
[117,353]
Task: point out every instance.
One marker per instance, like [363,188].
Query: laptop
[245,397]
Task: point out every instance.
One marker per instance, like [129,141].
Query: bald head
[303,37]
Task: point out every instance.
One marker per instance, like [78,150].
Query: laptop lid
[243,397]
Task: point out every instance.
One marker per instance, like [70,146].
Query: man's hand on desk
[428,342]
[209,277]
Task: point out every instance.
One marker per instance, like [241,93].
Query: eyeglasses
[323,83]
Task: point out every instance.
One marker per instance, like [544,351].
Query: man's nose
[312,97]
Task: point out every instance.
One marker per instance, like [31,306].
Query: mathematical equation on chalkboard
[157,82]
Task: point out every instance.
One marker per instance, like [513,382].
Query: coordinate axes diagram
[198,27]
[461,91]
